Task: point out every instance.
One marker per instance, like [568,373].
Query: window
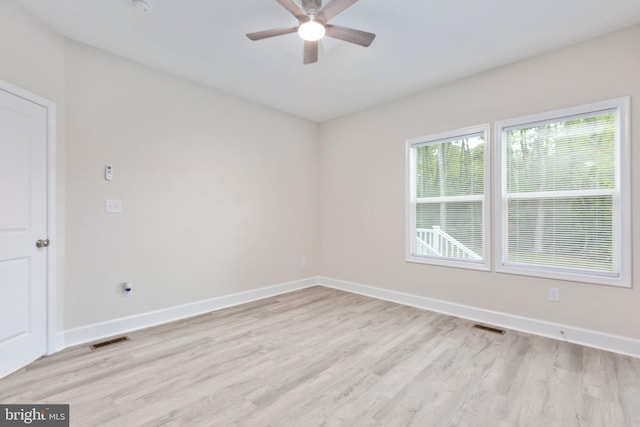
[564,197]
[447,213]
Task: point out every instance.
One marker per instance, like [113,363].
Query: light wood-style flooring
[322,357]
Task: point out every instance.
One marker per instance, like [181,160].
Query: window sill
[564,275]
[482,265]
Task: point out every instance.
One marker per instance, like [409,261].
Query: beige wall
[32,58]
[219,195]
[363,183]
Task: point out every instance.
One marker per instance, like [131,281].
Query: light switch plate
[113,206]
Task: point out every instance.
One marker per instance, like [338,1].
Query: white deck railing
[435,242]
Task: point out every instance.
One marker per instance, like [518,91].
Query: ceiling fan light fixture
[311,30]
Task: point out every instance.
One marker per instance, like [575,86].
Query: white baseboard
[97,331]
[586,337]
[57,344]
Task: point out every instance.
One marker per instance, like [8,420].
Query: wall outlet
[553,294]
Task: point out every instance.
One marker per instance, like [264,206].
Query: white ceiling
[419,43]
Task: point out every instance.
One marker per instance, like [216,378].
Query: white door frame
[53,343]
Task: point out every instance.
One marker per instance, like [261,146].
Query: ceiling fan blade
[350,35]
[271,33]
[333,8]
[310,52]
[293,9]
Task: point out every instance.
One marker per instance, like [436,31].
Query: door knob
[42,243]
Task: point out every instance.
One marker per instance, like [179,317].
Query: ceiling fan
[313,25]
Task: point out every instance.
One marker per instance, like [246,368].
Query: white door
[23,221]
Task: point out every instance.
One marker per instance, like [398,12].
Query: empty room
[319,213]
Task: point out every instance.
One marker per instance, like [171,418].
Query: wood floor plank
[323,357]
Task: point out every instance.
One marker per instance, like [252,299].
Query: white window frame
[622,193]
[411,201]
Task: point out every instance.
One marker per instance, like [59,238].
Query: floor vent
[490,329]
[108,342]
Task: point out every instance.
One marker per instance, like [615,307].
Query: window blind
[561,193]
[449,198]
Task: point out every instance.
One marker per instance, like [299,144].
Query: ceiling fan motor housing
[311,7]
